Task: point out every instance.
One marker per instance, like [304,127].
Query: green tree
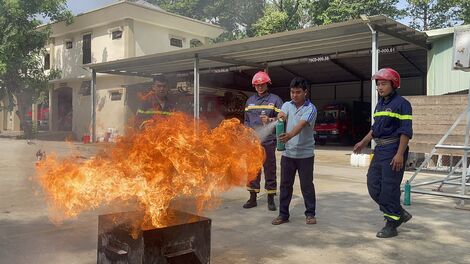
[463,11]
[236,17]
[283,15]
[22,78]
[433,14]
[326,12]
[272,21]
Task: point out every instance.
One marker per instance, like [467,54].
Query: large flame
[170,159]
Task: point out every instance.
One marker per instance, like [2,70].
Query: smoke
[266,130]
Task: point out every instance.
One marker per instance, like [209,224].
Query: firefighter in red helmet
[261,109]
[391,131]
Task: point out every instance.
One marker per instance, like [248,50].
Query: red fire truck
[337,123]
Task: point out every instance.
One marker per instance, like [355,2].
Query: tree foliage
[245,18]
[22,42]
[236,17]
[326,12]
[432,14]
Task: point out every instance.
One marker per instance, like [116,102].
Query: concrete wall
[103,49]
[442,79]
[154,39]
[144,32]
[432,117]
[109,113]
[8,120]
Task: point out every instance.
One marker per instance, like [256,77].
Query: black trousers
[269,168]
[384,183]
[289,167]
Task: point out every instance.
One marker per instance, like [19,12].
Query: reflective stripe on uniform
[262,107]
[394,217]
[144,123]
[271,191]
[152,112]
[253,190]
[394,115]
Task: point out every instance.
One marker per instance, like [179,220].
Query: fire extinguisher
[407,191]
[280,129]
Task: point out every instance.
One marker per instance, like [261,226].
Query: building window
[47,61]
[85,88]
[68,44]
[175,42]
[115,95]
[117,34]
[195,43]
[86,49]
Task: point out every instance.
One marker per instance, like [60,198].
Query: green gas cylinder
[407,193]
[280,129]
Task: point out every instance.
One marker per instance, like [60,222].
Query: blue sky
[80,6]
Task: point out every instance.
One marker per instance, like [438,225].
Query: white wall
[103,49]
[151,39]
[149,32]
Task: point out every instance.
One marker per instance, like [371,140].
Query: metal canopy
[270,50]
[328,42]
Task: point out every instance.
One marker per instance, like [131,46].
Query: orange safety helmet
[389,75]
[260,78]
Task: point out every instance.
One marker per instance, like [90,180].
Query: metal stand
[452,178]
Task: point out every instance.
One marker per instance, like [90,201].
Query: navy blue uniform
[149,108]
[271,105]
[393,118]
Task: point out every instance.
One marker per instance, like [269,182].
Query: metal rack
[462,167]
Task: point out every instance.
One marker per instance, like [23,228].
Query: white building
[117,31]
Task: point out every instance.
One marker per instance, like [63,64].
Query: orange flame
[166,161]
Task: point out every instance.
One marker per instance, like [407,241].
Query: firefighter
[261,109]
[391,131]
[155,102]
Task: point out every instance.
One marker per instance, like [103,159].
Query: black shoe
[251,202]
[271,204]
[389,230]
[405,217]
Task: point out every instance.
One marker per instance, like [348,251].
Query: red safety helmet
[260,78]
[389,75]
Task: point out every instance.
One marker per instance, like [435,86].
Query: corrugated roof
[349,36]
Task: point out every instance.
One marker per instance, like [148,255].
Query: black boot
[271,204]
[405,217]
[251,202]
[389,230]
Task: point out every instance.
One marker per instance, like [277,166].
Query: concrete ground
[345,233]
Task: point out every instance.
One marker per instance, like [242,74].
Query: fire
[167,161]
